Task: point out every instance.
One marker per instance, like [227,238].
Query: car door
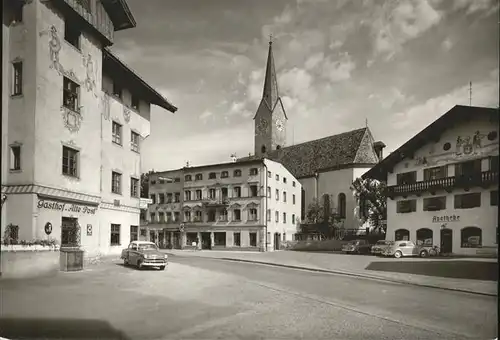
[412,248]
[402,247]
[133,253]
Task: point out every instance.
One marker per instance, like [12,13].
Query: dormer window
[198,177]
[237,173]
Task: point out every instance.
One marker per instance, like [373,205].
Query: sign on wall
[450,218]
[89,229]
[48,228]
[70,207]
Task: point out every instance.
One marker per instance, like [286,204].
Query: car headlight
[146,256]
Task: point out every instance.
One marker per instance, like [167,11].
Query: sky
[394,65]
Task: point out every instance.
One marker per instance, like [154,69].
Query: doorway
[161,239]
[277,239]
[70,235]
[205,241]
[446,241]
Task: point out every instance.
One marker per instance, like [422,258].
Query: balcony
[216,202]
[483,179]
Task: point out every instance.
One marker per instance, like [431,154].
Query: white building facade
[443,183]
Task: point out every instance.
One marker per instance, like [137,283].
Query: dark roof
[329,153]
[458,113]
[119,13]
[115,67]
[247,161]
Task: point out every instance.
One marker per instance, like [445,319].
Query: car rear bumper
[154,263]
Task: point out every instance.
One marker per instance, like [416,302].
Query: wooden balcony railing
[483,179]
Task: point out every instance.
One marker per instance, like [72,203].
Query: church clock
[262,125]
[279,125]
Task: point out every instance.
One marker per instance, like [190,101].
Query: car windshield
[147,247]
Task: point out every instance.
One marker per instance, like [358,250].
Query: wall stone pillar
[183,239]
[211,239]
[199,240]
[172,239]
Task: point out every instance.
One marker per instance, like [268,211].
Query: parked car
[357,247]
[405,248]
[144,254]
[379,247]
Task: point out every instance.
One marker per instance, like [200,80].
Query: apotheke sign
[70,207]
[450,218]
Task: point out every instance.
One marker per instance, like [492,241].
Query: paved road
[197,298]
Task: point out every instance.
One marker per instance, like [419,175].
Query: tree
[145,184]
[321,219]
[370,194]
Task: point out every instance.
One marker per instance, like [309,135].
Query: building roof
[326,154]
[119,13]
[247,161]
[115,66]
[457,114]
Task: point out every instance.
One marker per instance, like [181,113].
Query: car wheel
[423,253]
[125,262]
[162,267]
[398,254]
[139,265]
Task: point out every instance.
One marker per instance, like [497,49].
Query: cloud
[295,83]
[314,60]
[473,6]
[338,69]
[205,115]
[447,44]
[389,98]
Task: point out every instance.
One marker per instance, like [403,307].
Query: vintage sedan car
[357,247]
[379,247]
[403,248]
[144,254]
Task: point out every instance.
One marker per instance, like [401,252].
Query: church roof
[325,154]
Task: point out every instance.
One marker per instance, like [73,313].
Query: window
[468,201]
[277,177]
[169,197]
[169,217]
[269,174]
[69,232]
[224,174]
[117,90]
[293,218]
[161,198]
[268,192]
[254,191]
[153,182]
[134,187]
[237,191]
[190,238]
[153,198]
[342,205]
[144,232]
[406,206]
[237,173]
[493,163]
[85,4]
[293,184]
[187,178]
[72,35]
[269,215]
[117,133]
[17,83]
[177,197]
[468,169]
[277,194]
[284,217]
[134,141]
[402,235]
[187,216]
[177,179]
[152,216]
[161,181]
[277,216]
[252,214]
[471,237]
[115,234]
[198,177]
[212,175]
[71,95]
[293,199]
[263,149]
[424,237]
[284,196]
[237,239]
[211,193]
[177,216]
[17,12]
[223,215]
[15,157]
[253,239]
[161,216]
[236,215]
[254,171]
[187,195]
[494,198]
[135,102]
[198,217]
[436,173]
[224,193]
[134,235]
[284,180]
[116,182]
[70,161]
[407,178]
[220,239]
[198,194]
[435,203]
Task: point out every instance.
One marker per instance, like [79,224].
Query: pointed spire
[270,94]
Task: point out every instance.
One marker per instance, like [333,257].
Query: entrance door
[446,241]
[70,236]
[276,241]
[205,241]
[152,236]
[161,239]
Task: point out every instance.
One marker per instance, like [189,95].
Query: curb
[360,276]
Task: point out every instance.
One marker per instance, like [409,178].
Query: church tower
[270,119]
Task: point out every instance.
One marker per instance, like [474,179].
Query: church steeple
[270,94]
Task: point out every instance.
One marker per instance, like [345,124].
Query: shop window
[424,237]
[407,178]
[191,238]
[115,234]
[435,203]
[471,237]
[435,173]
[402,235]
[494,198]
[220,239]
[237,239]
[468,201]
[253,239]
[406,206]
[133,233]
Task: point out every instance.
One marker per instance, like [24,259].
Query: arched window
[471,237]
[263,149]
[341,205]
[424,237]
[402,235]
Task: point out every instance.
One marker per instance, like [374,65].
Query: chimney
[187,164]
[379,147]
[233,158]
